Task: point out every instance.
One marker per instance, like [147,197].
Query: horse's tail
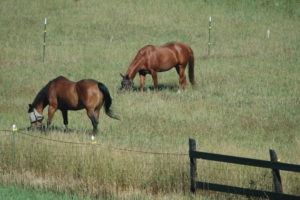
[107,100]
[191,68]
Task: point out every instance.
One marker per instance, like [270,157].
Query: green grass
[247,98]
[15,193]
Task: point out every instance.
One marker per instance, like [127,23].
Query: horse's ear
[30,108]
[122,75]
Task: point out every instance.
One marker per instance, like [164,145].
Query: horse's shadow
[160,87]
[163,87]
[46,130]
[56,129]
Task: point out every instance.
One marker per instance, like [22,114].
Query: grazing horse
[63,94]
[152,59]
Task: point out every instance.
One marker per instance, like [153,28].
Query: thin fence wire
[255,178]
[87,150]
[5,131]
[104,146]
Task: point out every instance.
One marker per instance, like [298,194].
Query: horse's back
[61,85]
[173,44]
[179,47]
[74,95]
[88,92]
[62,93]
[87,86]
[168,55]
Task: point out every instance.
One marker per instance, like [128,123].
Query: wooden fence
[273,164]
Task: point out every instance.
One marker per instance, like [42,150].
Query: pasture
[247,98]
[14,193]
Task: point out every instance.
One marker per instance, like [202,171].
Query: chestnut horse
[152,59]
[63,94]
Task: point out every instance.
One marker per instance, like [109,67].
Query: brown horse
[152,59]
[63,94]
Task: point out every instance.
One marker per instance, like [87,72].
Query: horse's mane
[139,55]
[43,92]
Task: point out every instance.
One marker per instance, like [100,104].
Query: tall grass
[246,100]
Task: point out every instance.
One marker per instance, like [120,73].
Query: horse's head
[126,82]
[35,117]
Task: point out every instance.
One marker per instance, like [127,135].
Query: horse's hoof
[66,130]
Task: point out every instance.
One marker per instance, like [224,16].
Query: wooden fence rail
[273,164]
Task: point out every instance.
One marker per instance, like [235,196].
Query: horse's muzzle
[34,116]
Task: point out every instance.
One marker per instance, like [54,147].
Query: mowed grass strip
[17,193]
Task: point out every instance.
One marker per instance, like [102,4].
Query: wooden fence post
[44,44]
[14,130]
[276,173]
[209,35]
[193,165]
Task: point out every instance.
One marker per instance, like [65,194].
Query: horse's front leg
[142,82]
[51,111]
[155,82]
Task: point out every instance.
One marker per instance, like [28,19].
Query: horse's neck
[40,102]
[134,68]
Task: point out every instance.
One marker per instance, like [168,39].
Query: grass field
[14,193]
[247,98]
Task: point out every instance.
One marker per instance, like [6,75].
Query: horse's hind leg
[155,82]
[94,120]
[182,78]
[65,117]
